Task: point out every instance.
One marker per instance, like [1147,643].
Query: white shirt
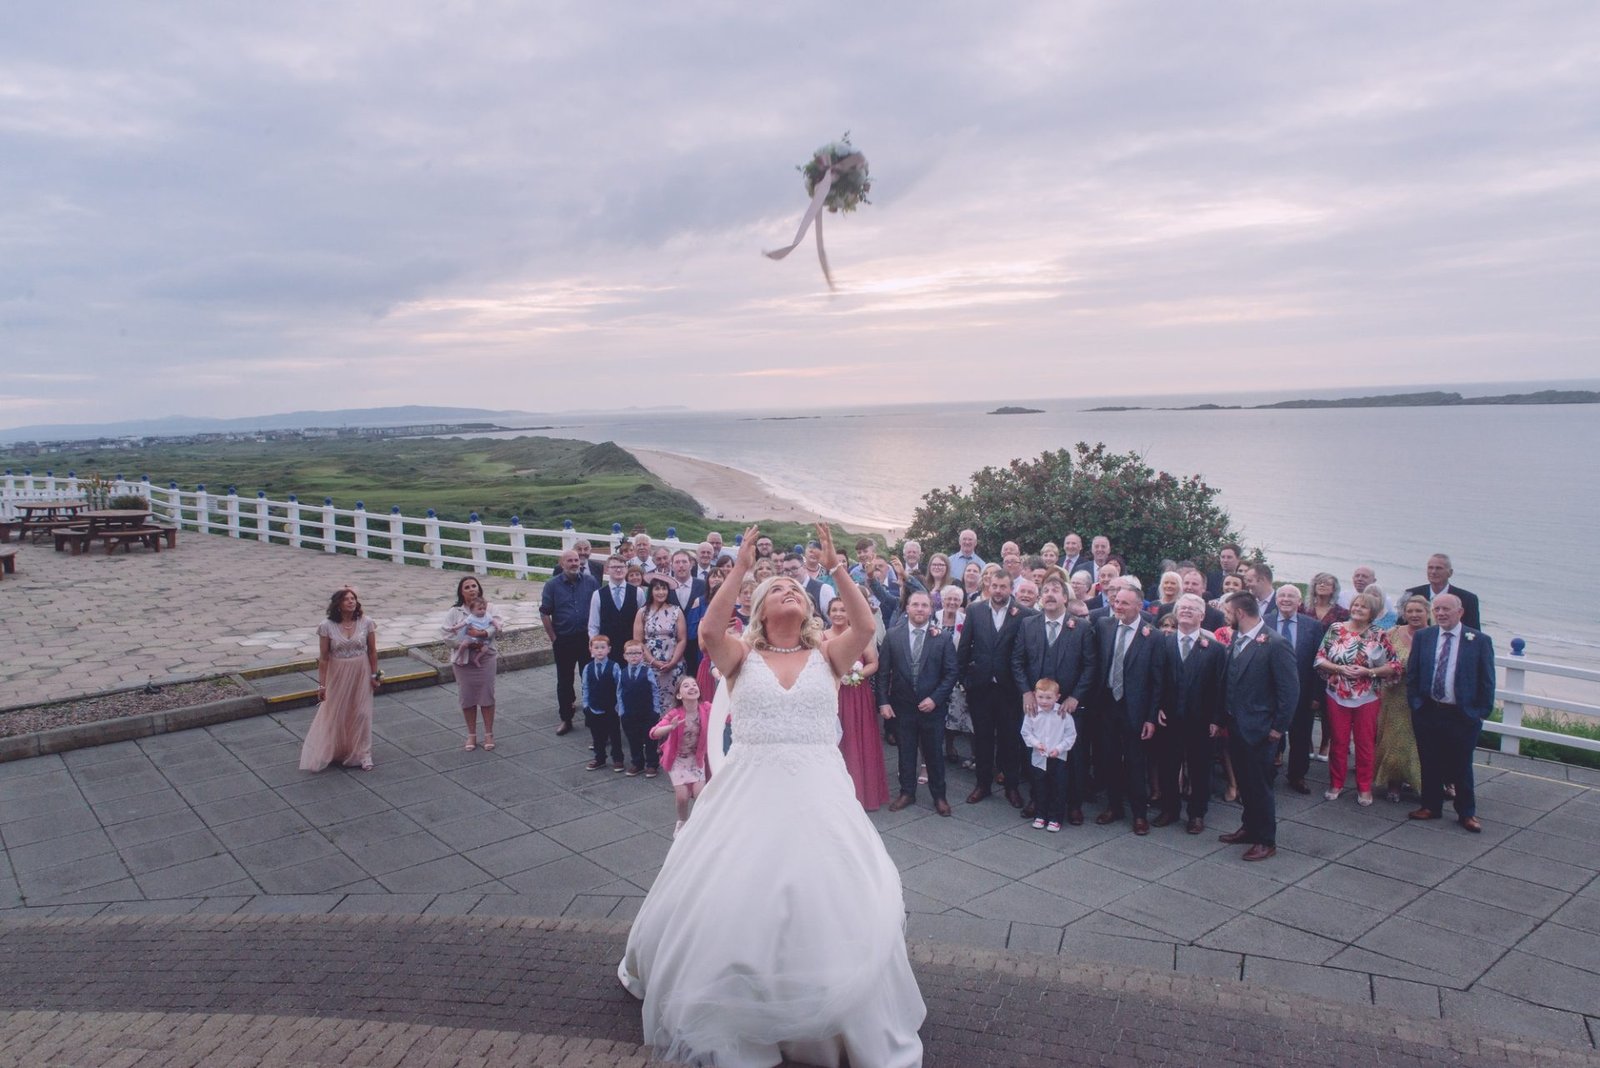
[999,614]
[1050,729]
[1250,635]
[1449,697]
[609,591]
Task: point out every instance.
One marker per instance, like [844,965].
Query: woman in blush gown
[347,677]
[860,741]
[776,927]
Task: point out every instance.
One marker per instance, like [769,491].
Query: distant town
[306,433]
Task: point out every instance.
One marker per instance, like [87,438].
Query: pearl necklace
[774,649]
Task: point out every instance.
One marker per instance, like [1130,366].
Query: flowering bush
[850,188]
[1148,514]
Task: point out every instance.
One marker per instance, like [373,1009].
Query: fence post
[330,532]
[1511,711]
[519,548]
[145,489]
[27,481]
[49,483]
[233,511]
[616,539]
[175,503]
[263,519]
[291,520]
[72,483]
[397,536]
[569,537]
[430,531]
[475,538]
[359,521]
[202,509]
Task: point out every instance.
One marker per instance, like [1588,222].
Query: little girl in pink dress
[683,753]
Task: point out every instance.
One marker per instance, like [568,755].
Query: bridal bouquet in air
[855,678]
[836,178]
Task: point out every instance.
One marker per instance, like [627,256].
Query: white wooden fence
[525,552]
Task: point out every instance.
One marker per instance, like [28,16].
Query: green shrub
[129,500]
[1542,750]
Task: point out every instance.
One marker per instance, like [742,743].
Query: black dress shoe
[1298,786]
[1014,797]
[942,807]
[1163,819]
[565,728]
[1196,825]
[1110,815]
[1030,810]
[903,801]
[1075,817]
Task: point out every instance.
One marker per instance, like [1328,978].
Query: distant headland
[1434,399]
[1013,410]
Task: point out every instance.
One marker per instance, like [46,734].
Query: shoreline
[735,495]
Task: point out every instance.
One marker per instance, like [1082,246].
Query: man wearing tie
[984,661]
[1261,690]
[1439,572]
[1304,635]
[1126,705]
[689,594]
[1191,712]
[614,606]
[1450,688]
[916,674]
[1073,557]
[1053,644]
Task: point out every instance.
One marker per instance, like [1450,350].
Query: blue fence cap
[231,489]
[672,533]
[616,528]
[119,476]
[432,514]
[738,539]
[49,474]
[173,484]
[566,524]
[394,510]
[294,499]
[361,506]
[72,474]
[472,517]
[516,521]
[261,495]
[1517,646]
[327,502]
[199,487]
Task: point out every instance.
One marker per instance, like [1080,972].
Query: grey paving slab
[1413,999]
[1378,892]
[1331,983]
[1197,960]
[965,930]
[1458,915]
[1084,882]
[1543,871]
[1022,903]
[1330,917]
[1225,881]
[1569,946]
[1485,1007]
[1458,956]
[1184,917]
[444,875]
[1258,936]
[1491,888]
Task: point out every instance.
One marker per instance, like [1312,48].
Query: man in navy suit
[1261,690]
[984,660]
[689,594]
[1191,712]
[1439,572]
[1054,644]
[1304,635]
[1450,688]
[916,674]
[1131,671]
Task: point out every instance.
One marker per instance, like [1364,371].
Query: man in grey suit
[1054,644]
[916,673]
[1261,690]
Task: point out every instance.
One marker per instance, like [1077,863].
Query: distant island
[1434,399]
[1012,410]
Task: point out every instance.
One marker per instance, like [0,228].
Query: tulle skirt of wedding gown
[776,927]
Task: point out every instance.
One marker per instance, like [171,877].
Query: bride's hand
[830,556]
[747,548]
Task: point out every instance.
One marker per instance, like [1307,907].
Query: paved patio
[1360,906]
[77,624]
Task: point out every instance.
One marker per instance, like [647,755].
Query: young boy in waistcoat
[602,688]
[638,708]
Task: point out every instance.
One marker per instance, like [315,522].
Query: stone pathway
[77,624]
[1360,906]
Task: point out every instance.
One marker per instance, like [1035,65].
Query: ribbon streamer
[853,162]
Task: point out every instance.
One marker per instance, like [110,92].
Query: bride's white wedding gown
[776,927]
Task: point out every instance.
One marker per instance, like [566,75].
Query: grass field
[543,481]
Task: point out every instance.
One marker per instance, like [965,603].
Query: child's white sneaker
[1038,824]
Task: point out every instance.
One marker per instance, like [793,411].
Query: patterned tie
[1188,644]
[1124,635]
[1052,629]
[1440,669]
[916,650]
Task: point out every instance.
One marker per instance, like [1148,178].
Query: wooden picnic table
[40,516]
[114,526]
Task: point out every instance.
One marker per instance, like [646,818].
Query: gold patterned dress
[1397,759]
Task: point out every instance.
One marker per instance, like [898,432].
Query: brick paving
[458,991]
[78,624]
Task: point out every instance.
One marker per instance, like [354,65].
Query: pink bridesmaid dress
[862,744]
[342,729]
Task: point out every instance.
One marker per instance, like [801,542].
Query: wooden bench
[169,534]
[8,561]
[74,538]
[7,526]
[150,537]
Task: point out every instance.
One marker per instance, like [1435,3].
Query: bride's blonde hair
[755,633]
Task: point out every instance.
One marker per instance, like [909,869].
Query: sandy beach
[734,495]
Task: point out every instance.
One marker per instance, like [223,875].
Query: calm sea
[1510,493]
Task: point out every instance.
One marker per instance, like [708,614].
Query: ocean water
[1511,493]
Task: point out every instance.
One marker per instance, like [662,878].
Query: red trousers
[1363,722]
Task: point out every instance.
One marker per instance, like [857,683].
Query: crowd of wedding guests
[1061,681]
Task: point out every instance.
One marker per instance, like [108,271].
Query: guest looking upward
[968,553]
[1395,761]
[474,681]
[993,700]
[1195,583]
[916,673]
[613,609]
[1356,657]
[1439,572]
[1450,687]
[661,627]
[1192,713]
[347,677]
[1132,667]
[1053,644]
[564,606]
[860,743]
[1304,636]
[1323,604]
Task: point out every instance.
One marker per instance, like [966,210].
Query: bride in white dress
[776,927]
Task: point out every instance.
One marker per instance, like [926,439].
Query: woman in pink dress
[347,677]
[859,741]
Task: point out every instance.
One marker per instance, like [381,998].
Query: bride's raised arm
[843,651]
[726,651]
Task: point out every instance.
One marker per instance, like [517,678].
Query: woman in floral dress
[1397,760]
[665,635]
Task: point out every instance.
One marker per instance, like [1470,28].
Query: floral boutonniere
[1470,635]
[1014,611]
[1261,639]
[1205,643]
[855,677]
[1146,631]
[1071,623]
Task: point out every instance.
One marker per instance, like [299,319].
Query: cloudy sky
[233,209]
